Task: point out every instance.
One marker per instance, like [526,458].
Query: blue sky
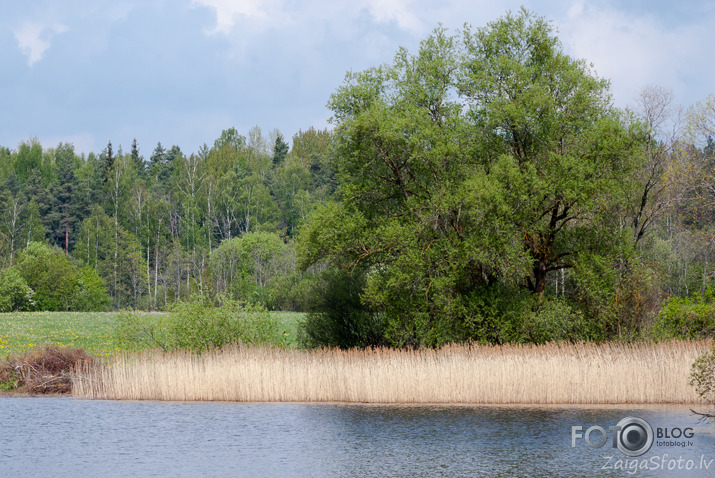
[181,71]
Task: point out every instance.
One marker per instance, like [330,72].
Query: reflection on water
[66,437]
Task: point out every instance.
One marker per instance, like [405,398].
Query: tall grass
[548,374]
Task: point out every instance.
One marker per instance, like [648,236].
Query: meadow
[91,331]
[609,373]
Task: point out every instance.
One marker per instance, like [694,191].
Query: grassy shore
[549,374]
[90,331]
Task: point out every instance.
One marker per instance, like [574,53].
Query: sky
[180,71]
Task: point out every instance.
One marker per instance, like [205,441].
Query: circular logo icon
[635,436]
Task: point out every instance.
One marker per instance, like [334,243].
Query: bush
[139,331]
[44,279]
[50,275]
[337,317]
[686,318]
[702,376]
[553,320]
[195,325]
[15,294]
[198,325]
[90,294]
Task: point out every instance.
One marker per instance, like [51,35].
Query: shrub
[195,325]
[138,331]
[686,318]
[44,279]
[702,376]
[337,317]
[198,325]
[50,275]
[91,293]
[15,294]
[553,320]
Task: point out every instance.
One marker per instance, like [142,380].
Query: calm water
[67,437]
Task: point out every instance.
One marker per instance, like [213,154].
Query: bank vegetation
[608,373]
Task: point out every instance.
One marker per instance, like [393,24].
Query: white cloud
[632,49]
[228,11]
[270,13]
[399,11]
[34,39]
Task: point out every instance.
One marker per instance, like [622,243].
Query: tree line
[482,188]
[159,229]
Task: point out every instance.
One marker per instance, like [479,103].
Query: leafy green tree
[28,159]
[15,294]
[156,163]
[12,205]
[481,164]
[7,162]
[91,293]
[94,246]
[311,149]
[244,266]
[34,229]
[49,274]
[35,190]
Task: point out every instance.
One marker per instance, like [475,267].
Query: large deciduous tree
[469,172]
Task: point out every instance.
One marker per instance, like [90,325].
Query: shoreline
[600,406]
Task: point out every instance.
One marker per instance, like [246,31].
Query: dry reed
[547,374]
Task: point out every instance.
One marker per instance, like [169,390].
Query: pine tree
[62,215]
[108,155]
[138,160]
[280,150]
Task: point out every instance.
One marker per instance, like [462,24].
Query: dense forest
[484,188]
[159,229]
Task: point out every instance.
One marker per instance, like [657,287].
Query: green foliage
[15,294]
[91,293]
[477,167]
[280,150]
[555,320]
[337,317]
[244,266]
[702,376]
[198,325]
[49,274]
[53,283]
[686,318]
[484,186]
[139,331]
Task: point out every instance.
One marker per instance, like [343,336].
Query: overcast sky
[181,71]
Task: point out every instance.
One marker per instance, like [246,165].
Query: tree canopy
[468,172]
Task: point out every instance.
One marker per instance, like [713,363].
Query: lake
[60,437]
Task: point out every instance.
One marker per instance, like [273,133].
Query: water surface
[66,437]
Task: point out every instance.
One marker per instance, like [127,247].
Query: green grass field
[91,331]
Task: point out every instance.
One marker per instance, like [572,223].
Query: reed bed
[547,374]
